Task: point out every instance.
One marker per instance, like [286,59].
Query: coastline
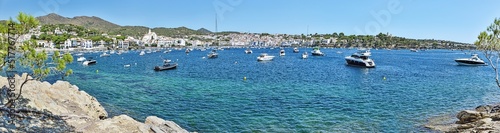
[483,119]
[81,111]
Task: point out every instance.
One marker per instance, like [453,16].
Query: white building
[67,44]
[88,44]
[150,38]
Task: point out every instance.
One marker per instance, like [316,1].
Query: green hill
[104,26]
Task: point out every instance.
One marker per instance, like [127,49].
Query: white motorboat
[282,52]
[81,59]
[248,51]
[142,53]
[89,62]
[317,52]
[264,57]
[413,50]
[474,60]
[104,54]
[304,55]
[296,50]
[360,58]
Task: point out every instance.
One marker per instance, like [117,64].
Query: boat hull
[161,68]
[360,63]
[466,62]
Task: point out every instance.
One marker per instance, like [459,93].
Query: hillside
[104,26]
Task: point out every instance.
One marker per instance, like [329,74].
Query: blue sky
[456,20]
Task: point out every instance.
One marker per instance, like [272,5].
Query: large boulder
[468,116]
[159,125]
[83,111]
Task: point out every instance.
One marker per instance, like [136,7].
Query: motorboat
[89,62]
[213,54]
[474,60]
[296,50]
[413,50]
[81,59]
[166,66]
[142,53]
[79,54]
[187,50]
[361,58]
[304,55]
[248,51]
[104,54]
[317,52]
[264,57]
[282,52]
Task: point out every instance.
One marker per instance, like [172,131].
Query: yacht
[81,59]
[360,58]
[264,57]
[317,52]
[282,52]
[213,54]
[89,62]
[296,50]
[472,61]
[248,51]
[304,55]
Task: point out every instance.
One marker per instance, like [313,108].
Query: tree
[335,35]
[489,43]
[36,62]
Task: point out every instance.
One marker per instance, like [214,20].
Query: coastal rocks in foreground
[485,118]
[82,112]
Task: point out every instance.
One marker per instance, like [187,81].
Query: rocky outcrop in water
[485,118]
[73,110]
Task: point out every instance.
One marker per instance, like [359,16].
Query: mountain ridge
[104,26]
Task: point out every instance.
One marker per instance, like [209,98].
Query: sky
[454,20]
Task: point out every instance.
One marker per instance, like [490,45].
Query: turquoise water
[288,94]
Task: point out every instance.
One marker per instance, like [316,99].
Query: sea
[237,93]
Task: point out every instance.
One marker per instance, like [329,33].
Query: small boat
[473,61]
[79,54]
[128,65]
[413,50]
[104,54]
[187,50]
[213,54]
[304,55]
[317,52]
[265,57]
[142,53]
[89,62]
[282,52]
[166,66]
[248,51]
[360,58]
[112,52]
[295,50]
[81,59]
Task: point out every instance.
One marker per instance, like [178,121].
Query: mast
[216,37]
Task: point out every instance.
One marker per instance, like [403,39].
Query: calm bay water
[288,94]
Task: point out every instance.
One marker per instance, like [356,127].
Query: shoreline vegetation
[62,107]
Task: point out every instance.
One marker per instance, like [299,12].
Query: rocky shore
[74,111]
[483,119]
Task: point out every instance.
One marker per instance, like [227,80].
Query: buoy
[244,78]
[96,71]
[384,78]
